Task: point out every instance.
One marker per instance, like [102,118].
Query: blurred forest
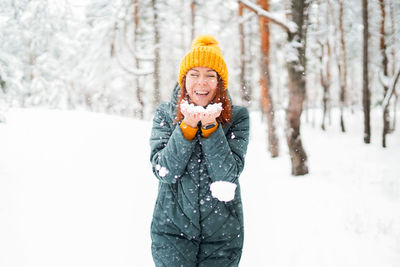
[122,57]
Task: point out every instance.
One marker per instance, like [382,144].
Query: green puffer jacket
[189,226]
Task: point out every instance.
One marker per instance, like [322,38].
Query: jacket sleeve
[225,155]
[170,150]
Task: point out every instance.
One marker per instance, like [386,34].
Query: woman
[191,149]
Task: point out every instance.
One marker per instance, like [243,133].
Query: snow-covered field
[76,189]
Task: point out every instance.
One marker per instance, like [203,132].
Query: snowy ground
[76,189]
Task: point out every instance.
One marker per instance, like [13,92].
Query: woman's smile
[201,92]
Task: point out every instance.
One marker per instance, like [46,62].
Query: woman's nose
[202,80]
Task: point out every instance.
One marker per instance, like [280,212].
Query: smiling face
[201,85]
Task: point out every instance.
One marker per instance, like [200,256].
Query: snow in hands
[223,191]
[191,108]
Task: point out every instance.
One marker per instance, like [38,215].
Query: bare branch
[392,87]
[136,72]
[132,71]
[288,26]
[384,80]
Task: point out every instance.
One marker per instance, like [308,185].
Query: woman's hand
[210,118]
[193,114]
[191,119]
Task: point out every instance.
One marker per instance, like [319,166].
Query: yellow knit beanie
[205,52]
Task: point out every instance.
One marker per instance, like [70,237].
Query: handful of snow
[223,191]
[191,108]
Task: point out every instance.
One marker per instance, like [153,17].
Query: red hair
[220,97]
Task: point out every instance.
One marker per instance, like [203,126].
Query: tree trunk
[342,67]
[393,32]
[382,47]
[396,98]
[323,84]
[325,87]
[249,59]
[182,29]
[392,90]
[393,56]
[192,17]
[297,88]
[366,92]
[156,24]
[243,84]
[325,79]
[139,90]
[266,99]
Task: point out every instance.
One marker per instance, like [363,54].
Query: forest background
[79,83]
[122,57]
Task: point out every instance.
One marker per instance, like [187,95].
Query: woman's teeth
[202,93]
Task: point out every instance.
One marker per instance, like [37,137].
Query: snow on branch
[289,26]
[392,87]
[132,71]
[384,80]
[136,72]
